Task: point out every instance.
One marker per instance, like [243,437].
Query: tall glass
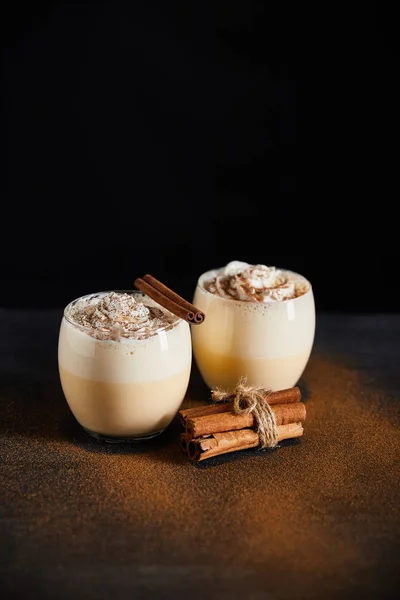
[124,390]
[269,343]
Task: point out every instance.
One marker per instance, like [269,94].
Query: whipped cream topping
[117,315]
[255,283]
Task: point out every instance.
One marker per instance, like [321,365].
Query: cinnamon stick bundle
[216,429]
[286,396]
[232,441]
[230,421]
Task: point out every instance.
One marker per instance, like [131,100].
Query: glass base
[111,439]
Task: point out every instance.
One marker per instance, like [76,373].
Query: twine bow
[252,399]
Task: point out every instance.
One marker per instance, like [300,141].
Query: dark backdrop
[173,137]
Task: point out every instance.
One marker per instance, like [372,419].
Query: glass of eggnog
[260,325]
[124,364]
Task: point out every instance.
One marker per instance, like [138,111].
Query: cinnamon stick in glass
[167,298]
[230,421]
[232,441]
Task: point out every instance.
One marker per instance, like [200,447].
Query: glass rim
[117,291]
[203,277]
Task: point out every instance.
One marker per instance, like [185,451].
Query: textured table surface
[315,519]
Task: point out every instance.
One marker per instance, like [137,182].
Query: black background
[173,137]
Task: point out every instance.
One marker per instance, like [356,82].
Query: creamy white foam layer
[165,353]
[255,283]
[115,315]
[255,330]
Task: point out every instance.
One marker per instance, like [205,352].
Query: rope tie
[252,399]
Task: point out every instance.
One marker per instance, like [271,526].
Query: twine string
[254,400]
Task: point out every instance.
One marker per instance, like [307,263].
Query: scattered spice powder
[317,513]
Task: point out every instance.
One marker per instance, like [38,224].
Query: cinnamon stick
[184,439]
[230,421]
[232,441]
[206,409]
[286,396]
[167,298]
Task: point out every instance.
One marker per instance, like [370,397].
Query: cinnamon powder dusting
[115,315]
[304,515]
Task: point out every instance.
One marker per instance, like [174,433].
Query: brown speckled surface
[316,519]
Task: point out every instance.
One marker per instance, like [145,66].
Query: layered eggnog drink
[124,364]
[260,324]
